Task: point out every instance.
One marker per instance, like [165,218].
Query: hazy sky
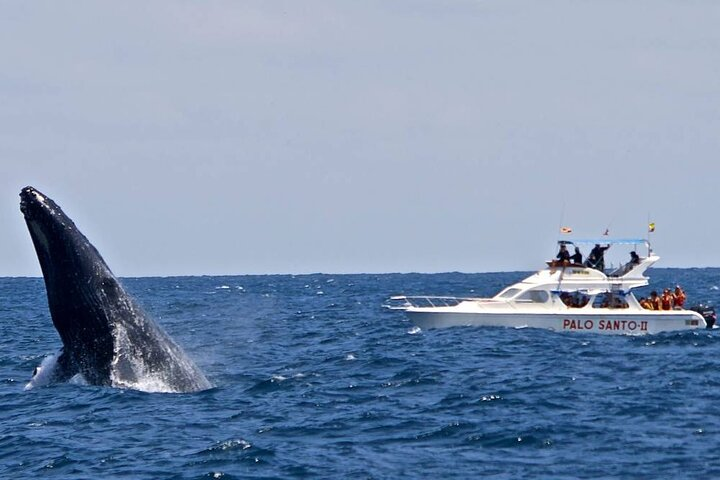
[234,137]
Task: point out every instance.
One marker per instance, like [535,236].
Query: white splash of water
[146,383]
[129,370]
[233,444]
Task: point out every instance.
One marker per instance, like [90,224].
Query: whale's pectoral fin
[54,369]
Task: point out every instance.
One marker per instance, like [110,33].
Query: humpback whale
[106,336]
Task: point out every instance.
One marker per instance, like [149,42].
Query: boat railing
[403,302]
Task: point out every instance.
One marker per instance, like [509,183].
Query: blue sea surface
[315,379]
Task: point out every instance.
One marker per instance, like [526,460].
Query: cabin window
[534,296]
[574,299]
[509,293]
[610,300]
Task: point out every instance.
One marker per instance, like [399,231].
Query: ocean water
[314,379]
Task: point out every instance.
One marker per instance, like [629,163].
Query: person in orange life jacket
[654,301]
[645,303]
[679,298]
[666,300]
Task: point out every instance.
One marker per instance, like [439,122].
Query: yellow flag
[651,227]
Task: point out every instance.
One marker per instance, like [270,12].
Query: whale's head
[57,240]
[35,205]
[45,219]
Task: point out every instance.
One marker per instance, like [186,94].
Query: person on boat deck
[645,303]
[577,256]
[654,300]
[596,259]
[679,298]
[563,255]
[634,258]
[666,300]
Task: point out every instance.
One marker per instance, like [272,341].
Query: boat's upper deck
[572,278]
[563,276]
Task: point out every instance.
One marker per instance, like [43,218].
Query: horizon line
[336,273]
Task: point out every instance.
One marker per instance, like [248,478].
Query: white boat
[562,297]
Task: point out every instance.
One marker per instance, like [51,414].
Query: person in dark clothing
[563,255]
[577,256]
[596,259]
[590,262]
[634,258]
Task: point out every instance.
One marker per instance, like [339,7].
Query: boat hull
[612,322]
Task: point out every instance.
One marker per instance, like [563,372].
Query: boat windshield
[508,293]
[534,296]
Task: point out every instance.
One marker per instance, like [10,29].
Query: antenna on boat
[650,229]
[562,219]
